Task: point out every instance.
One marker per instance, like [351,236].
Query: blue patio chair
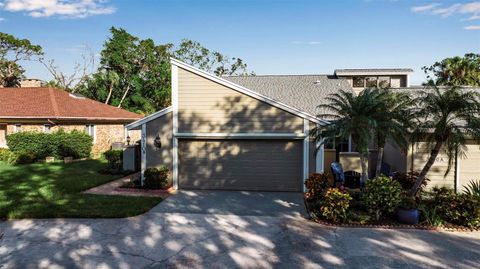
[337,172]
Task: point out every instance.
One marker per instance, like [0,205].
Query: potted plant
[407,211]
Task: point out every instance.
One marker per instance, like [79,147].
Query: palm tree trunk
[109,93]
[124,96]
[426,168]
[379,162]
[363,161]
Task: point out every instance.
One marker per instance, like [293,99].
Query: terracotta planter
[49,159]
[68,159]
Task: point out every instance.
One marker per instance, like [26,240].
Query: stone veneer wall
[106,134]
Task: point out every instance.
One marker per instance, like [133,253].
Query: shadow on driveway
[240,203]
[175,235]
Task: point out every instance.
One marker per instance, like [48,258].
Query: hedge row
[59,144]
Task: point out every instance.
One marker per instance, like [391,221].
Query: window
[358,82]
[384,82]
[90,130]
[344,146]
[17,128]
[371,82]
[47,128]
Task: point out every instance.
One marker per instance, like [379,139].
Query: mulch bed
[448,227]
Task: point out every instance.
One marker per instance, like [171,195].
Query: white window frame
[17,128]
[92,131]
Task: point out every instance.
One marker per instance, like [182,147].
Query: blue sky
[272,36]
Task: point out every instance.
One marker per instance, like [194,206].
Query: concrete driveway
[210,234]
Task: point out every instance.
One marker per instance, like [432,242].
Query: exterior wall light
[128,140]
[157,142]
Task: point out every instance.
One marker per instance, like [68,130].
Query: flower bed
[377,204]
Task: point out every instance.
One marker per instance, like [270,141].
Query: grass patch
[53,190]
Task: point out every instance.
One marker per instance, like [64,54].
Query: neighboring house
[252,132]
[47,109]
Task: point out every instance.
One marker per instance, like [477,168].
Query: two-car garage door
[268,165]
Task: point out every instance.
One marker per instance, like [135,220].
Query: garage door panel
[274,165]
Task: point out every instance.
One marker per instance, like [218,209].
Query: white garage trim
[175,126]
[143,149]
[306,152]
[242,135]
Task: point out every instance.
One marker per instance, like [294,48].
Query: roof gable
[248,92]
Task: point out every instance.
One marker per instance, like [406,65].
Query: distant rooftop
[373,71]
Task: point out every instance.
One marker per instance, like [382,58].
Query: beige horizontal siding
[205,106]
[469,165]
[421,153]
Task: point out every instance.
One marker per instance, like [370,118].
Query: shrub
[156,178]
[473,188]
[336,204]
[382,196]
[407,180]
[430,216]
[8,156]
[76,144]
[39,144]
[316,185]
[28,145]
[114,158]
[24,157]
[457,208]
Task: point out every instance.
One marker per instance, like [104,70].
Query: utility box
[131,158]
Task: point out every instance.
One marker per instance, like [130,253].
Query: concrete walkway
[196,238]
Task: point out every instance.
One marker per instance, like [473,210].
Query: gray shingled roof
[372,71]
[304,92]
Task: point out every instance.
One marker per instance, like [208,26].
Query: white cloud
[469,11]
[2,19]
[306,42]
[62,8]
[424,8]
[472,27]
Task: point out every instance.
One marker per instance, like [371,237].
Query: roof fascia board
[246,91]
[148,118]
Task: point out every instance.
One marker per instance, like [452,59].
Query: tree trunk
[109,93]
[124,96]
[379,162]
[426,168]
[363,160]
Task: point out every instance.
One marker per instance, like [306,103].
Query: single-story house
[252,132]
[45,109]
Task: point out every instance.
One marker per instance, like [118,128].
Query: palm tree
[352,116]
[393,121]
[446,118]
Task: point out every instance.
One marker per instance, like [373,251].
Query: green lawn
[53,190]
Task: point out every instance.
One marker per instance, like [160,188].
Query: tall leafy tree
[350,115]
[193,53]
[446,119]
[455,71]
[12,51]
[134,73]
